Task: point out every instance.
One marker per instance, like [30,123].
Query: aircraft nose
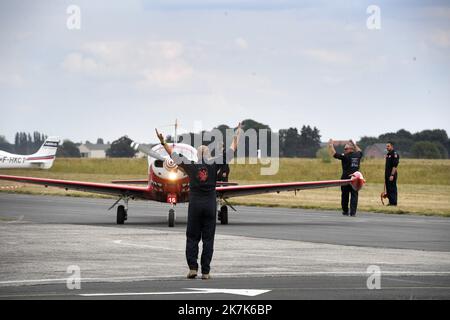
[170,165]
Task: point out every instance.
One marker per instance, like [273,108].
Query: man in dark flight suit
[351,159]
[202,208]
[390,173]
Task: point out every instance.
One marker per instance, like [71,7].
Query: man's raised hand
[160,136]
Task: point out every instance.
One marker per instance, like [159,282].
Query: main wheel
[171,218]
[121,215]
[223,215]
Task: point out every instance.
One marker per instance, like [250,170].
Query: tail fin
[45,156]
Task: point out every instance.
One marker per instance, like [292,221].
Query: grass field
[424,185]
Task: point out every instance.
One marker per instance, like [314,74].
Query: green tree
[24,143]
[309,142]
[426,150]
[404,141]
[436,135]
[21,143]
[289,142]
[68,149]
[365,141]
[121,148]
[442,149]
[5,145]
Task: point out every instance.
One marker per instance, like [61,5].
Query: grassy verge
[413,199]
[424,185]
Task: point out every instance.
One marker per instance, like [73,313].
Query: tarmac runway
[264,253]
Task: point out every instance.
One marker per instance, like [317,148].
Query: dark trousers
[201,225]
[391,190]
[345,197]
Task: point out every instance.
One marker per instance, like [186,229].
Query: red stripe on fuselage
[40,158]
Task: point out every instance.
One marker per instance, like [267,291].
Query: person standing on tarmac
[202,208]
[351,159]
[390,173]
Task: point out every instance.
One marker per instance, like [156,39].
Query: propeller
[146,150]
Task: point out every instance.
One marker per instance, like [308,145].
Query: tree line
[426,144]
[293,142]
[24,143]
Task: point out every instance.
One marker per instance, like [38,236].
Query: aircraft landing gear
[121,214]
[171,218]
[223,215]
[122,210]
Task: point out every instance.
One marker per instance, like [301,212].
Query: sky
[135,65]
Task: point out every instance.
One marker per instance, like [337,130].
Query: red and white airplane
[166,183]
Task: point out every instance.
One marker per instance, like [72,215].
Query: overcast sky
[137,65]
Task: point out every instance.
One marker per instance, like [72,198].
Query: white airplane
[42,159]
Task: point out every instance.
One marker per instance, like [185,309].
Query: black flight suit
[202,208]
[392,161]
[350,164]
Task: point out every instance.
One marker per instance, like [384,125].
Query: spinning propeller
[168,163]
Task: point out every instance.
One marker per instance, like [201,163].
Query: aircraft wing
[103,188]
[131,181]
[357,181]
[145,181]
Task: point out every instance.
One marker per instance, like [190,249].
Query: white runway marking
[241,292]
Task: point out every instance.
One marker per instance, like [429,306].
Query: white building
[90,150]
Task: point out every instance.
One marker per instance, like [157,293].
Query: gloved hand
[160,136]
[383,196]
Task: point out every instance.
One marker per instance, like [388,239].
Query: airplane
[42,159]
[167,184]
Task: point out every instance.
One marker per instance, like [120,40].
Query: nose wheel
[171,218]
[223,215]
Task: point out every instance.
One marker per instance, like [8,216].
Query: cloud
[76,62]
[167,77]
[241,43]
[441,38]
[225,4]
[155,63]
[11,80]
[332,80]
[327,56]
[437,12]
